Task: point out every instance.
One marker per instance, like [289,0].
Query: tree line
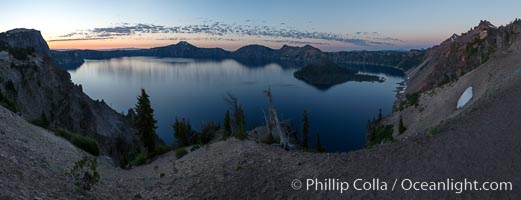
[234,125]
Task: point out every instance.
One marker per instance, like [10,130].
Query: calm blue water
[195,89]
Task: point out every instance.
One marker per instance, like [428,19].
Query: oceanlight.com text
[449,184]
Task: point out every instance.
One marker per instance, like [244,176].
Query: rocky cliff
[461,54]
[37,87]
[486,59]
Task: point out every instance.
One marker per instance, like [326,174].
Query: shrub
[434,130]
[161,149]
[42,121]
[182,132]
[207,132]
[195,147]
[85,173]
[382,133]
[412,99]
[139,159]
[270,140]
[180,152]
[87,144]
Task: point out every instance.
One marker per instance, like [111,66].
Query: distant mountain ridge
[250,54]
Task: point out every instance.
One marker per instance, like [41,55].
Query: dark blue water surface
[195,89]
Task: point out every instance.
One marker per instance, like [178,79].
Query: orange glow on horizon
[133,43]
[227,45]
[107,44]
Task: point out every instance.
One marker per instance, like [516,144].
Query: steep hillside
[465,148]
[486,59]
[33,161]
[460,54]
[38,89]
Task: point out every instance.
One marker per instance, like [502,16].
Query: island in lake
[326,74]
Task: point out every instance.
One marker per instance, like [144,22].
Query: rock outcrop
[38,87]
[484,59]
[460,54]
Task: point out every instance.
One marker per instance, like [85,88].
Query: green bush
[85,173]
[42,121]
[382,133]
[87,144]
[208,131]
[434,130]
[138,160]
[270,140]
[161,149]
[413,99]
[182,132]
[195,147]
[180,152]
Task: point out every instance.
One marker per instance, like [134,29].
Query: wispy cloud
[224,31]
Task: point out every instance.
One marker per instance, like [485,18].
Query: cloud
[296,42]
[78,39]
[214,30]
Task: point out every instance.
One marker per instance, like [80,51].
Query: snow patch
[464,98]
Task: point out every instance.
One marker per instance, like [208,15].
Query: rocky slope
[460,54]
[234,169]
[486,58]
[37,87]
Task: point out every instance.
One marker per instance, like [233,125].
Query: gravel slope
[482,143]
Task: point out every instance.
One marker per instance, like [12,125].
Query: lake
[195,89]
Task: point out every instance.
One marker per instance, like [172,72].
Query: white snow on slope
[464,98]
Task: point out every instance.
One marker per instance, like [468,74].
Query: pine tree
[401,127]
[239,119]
[319,146]
[227,125]
[183,132]
[305,130]
[145,122]
[379,114]
[241,124]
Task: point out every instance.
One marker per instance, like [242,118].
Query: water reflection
[195,89]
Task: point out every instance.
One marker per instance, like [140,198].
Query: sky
[331,25]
